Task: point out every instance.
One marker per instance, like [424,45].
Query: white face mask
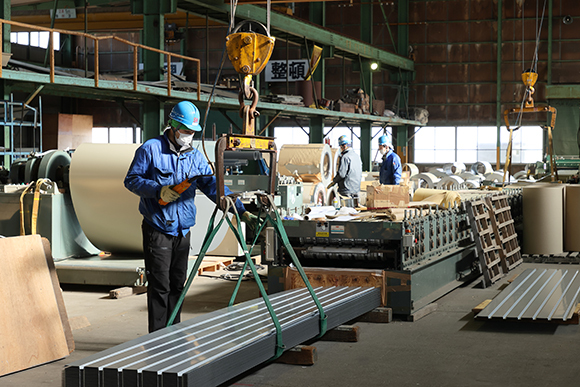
[183,139]
[383,151]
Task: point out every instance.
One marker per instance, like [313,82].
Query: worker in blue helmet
[158,165]
[391,169]
[349,173]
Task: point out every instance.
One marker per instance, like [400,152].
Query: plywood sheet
[58,295]
[30,323]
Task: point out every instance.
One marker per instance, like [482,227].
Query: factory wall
[454,45]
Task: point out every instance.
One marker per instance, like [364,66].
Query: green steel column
[317,15]
[316,130]
[153,36]
[4,86]
[67,55]
[365,145]
[366,35]
[550,39]
[405,77]
[498,112]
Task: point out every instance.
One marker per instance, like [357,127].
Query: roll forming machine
[423,256]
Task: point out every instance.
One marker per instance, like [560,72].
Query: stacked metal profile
[537,294]
[211,349]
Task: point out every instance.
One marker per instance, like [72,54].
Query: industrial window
[109,135]
[35,39]
[290,135]
[436,145]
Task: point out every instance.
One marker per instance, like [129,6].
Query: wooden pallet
[210,264]
[488,249]
[505,232]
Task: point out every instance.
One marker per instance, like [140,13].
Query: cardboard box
[387,195]
[344,107]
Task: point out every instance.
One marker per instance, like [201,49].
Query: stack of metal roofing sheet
[537,294]
[213,348]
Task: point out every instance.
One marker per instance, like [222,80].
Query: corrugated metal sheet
[537,294]
[211,349]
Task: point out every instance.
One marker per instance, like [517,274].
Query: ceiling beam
[563,91]
[282,23]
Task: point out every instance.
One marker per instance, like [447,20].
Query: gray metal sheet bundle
[537,294]
[213,348]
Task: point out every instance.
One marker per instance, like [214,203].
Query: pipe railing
[96,40]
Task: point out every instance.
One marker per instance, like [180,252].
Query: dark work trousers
[166,267]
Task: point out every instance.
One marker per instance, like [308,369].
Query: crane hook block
[249,52]
[529,78]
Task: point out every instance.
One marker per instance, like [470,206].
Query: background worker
[391,169]
[158,165]
[349,173]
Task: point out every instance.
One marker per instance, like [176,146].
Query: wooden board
[299,355]
[377,315]
[336,277]
[343,334]
[30,323]
[480,307]
[58,295]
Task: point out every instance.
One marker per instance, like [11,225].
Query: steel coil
[425,180]
[450,183]
[456,168]
[482,167]
[412,168]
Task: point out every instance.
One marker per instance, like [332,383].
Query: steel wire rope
[533,67]
[233,6]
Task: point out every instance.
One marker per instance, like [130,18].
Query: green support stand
[272,217]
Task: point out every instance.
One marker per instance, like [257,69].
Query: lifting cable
[528,92]
[233,6]
[534,65]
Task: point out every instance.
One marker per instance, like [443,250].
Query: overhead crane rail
[96,40]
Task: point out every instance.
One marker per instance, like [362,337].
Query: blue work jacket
[155,165]
[390,169]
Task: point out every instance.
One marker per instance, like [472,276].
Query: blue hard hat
[344,140]
[187,114]
[384,140]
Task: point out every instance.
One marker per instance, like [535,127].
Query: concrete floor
[445,348]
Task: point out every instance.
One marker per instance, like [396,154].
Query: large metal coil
[331,194]
[482,167]
[314,193]
[438,172]
[306,159]
[425,180]
[450,183]
[471,184]
[471,176]
[412,168]
[523,175]
[456,168]
[497,176]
